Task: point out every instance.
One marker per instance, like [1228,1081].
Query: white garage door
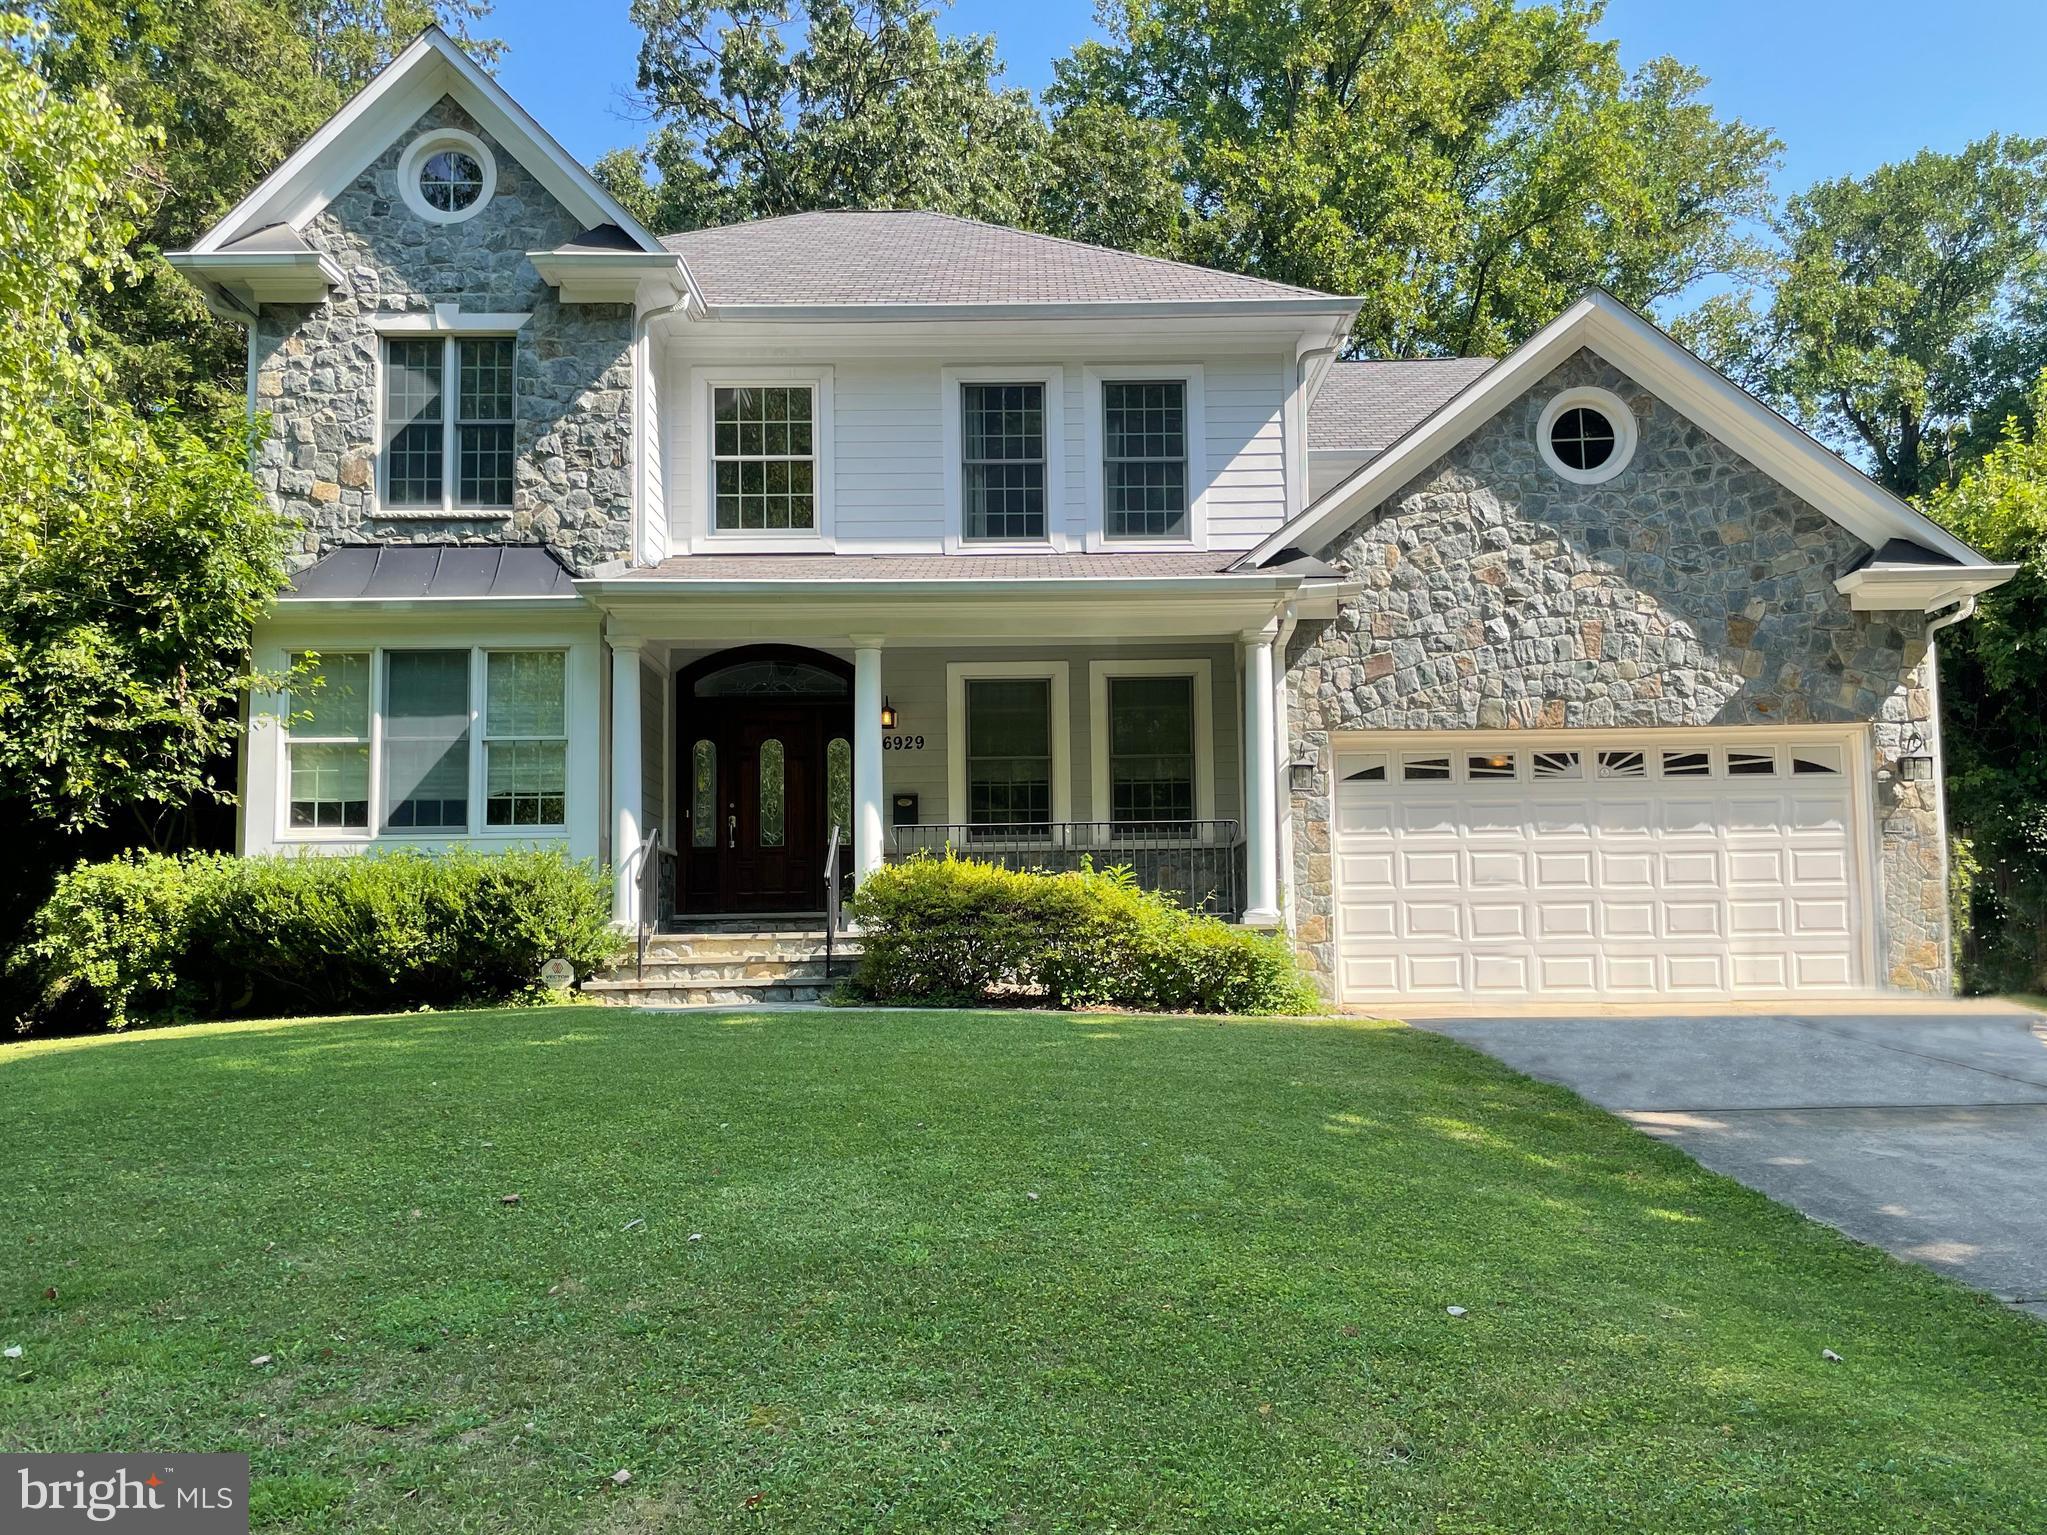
[1469,867]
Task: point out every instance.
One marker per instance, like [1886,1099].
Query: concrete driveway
[1921,1129]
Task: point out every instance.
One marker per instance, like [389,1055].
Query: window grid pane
[1144,435]
[525,755]
[330,785]
[413,423]
[1009,752]
[483,433]
[1003,468]
[763,449]
[332,699]
[525,783]
[1151,751]
[426,740]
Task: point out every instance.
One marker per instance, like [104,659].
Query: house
[1574,673]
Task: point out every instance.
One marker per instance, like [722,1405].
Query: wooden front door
[755,789]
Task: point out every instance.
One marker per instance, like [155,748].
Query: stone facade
[1691,589]
[317,368]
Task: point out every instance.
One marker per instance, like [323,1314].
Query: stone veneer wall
[1691,589]
[317,369]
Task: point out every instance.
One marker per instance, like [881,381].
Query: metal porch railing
[1195,862]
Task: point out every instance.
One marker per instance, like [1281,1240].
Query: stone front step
[710,993]
[731,948]
[729,965]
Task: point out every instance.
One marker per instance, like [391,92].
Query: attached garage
[1645,864]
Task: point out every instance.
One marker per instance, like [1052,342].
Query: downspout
[1961,611]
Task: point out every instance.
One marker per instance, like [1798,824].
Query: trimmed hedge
[948,932]
[153,939]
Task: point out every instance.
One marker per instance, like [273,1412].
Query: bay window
[449,742]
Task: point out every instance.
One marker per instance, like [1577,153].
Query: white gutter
[1117,309]
[969,586]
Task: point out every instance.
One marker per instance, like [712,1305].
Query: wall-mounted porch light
[888,715]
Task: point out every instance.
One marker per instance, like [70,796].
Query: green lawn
[958,1271]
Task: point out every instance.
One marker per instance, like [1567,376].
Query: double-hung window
[1009,752]
[1144,458]
[764,457]
[525,738]
[426,740]
[448,407]
[1002,461]
[1151,752]
[327,747]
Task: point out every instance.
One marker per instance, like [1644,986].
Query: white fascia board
[351,140]
[1603,324]
[262,277]
[465,606]
[607,277]
[1918,588]
[1194,588]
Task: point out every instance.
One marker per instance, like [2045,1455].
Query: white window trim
[288,738]
[1100,673]
[1608,404]
[1058,513]
[957,675]
[432,142]
[475,829]
[704,535]
[453,328]
[1193,376]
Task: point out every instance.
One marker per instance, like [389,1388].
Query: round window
[1586,435]
[447,176]
[450,181]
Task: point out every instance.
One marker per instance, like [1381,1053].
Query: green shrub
[150,938]
[946,932]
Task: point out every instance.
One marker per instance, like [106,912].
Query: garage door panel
[1699,885]
[1496,920]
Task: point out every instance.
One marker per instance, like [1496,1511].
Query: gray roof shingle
[1366,407]
[905,256]
[399,571]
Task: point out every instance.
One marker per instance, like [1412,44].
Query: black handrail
[645,880]
[831,897]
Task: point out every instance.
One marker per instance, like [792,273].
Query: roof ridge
[1011,229]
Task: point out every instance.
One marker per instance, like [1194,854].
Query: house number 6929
[902,743]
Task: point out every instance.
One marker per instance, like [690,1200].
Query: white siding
[888,424]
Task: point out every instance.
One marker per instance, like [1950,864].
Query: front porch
[763,779]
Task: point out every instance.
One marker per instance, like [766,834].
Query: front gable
[1690,589]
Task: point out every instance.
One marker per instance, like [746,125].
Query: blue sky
[1847,84]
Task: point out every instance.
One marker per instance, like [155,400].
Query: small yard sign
[558,974]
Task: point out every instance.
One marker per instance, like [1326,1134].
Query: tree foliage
[766,107]
[223,91]
[1468,166]
[134,551]
[1993,682]
[1909,311]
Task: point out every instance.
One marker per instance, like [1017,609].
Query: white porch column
[867,819]
[1261,795]
[625,780]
